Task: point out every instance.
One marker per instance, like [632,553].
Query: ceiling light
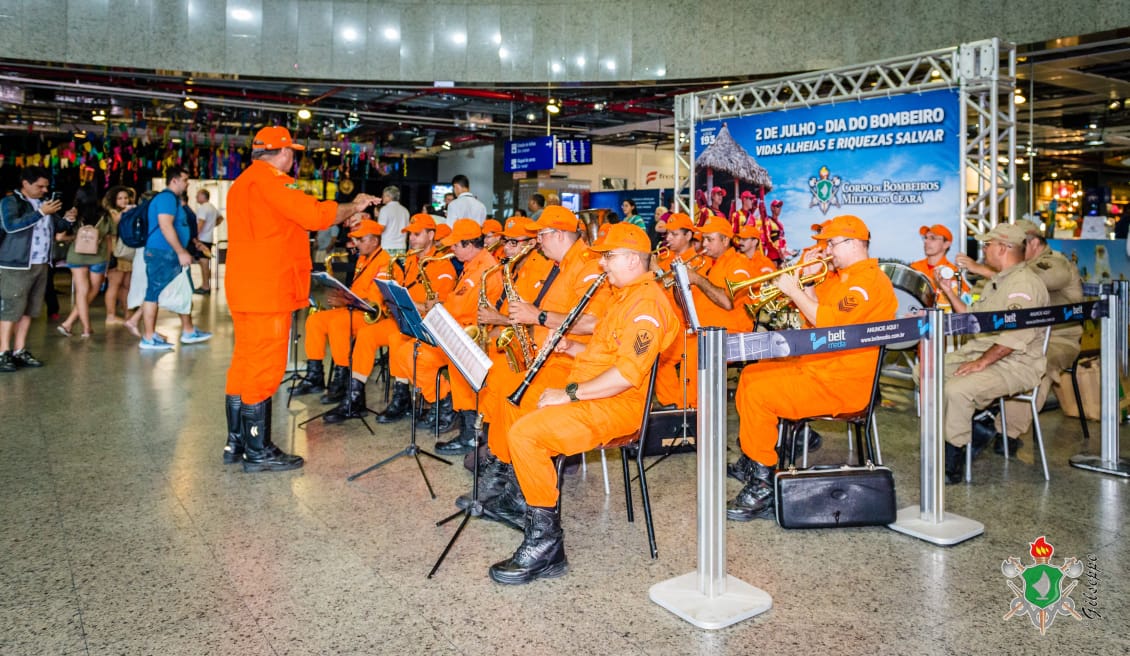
[598,106]
[304,114]
[80,134]
[241,14]
[1025,177]
[497,38]
[98,115]
[1092,125]
[1054,175]
[552,106]
[1020,99]
[349,34]
[581,61]
[530,116]
[446,145]
[189,103]
[555,67]
[661,71]
[503,53]
[391,33]
[1115,104]
[459,38]
[935,74]
[354,117]
[610,65]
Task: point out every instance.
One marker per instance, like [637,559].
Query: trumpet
[767,291]
[696,263]
[662,251]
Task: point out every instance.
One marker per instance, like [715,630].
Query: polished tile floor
[123,534]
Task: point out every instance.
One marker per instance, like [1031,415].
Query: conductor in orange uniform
[603,398]
[817,384]
[268,278]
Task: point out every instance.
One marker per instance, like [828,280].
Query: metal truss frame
[984,72]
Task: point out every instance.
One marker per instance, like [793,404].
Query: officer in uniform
[671,385]
[936,241]
[992,365]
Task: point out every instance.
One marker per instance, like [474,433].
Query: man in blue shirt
[165,257]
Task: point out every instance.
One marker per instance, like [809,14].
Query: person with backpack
[28,225]
[166,255]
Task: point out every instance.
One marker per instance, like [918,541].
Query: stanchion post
[708,598]
[1112,360]
[929,521]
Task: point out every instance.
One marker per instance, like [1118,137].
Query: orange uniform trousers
[788,388]
[370,337]
[431,359]
[564,429]
[501,383]
[669,382]
[258,361]
[332,326]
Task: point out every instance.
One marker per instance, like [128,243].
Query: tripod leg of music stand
[424,474]
[451,543]
[435,457]
[453,516]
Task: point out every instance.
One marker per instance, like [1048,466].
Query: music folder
[403,310]
[352,300]
[683,289]
[463,352]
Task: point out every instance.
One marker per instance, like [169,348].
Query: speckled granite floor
[123,534]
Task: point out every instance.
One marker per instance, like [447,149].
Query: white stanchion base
[951,530]
[1095,463]
[681,596]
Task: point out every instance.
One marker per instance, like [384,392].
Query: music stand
[403,310]
[294,374]
[353,303]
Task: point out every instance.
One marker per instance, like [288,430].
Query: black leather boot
[398,406]
[493,475]
[339,382]
[259,453]
[1014,443]
[955,463]
[233,450]
[511,504]
[983,434]
[351,407]
[314,382]
[448,418]
[467,438]
[541,554]
[756,498]
[742,470]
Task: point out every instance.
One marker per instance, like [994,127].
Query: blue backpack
[133,228]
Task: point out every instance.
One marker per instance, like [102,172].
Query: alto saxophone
[505,341]
[479,332]
[429,293]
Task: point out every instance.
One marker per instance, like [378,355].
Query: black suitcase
[834,496]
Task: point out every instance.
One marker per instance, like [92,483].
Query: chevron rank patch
[849,302]
[643,342]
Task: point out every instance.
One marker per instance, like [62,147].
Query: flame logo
[1040,549]
[652,176]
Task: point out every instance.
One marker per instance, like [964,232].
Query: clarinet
[551,342]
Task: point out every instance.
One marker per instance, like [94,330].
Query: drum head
[913,291]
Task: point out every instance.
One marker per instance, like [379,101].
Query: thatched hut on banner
[727,156]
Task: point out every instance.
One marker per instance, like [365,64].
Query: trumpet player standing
[818,384]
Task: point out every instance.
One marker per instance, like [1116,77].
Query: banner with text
[894,162]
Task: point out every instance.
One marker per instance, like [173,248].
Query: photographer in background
[28,225]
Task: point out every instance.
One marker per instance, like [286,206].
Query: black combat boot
[541,554]
[233,450]
[448,418]
[955,463]
[398,406]
[467,438]
[314,382]
[493,474]
[339,382]
[510,505]
[742,470]
[756,498]
[259,453]
[351,407]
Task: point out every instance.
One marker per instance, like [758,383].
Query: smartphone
[54,196]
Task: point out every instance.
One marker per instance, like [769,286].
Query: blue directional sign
[529,155]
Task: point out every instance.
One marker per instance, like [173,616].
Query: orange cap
[937,229]
[442,230]
[749,232]
[679,221]
[623,235]
[717,224]
[274,138]
[519,227]
[420,222]
[463,230]
[845,225]
[490,226]
[818,228]
[556,217]
[367,227]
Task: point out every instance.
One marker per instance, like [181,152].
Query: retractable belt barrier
[708,597]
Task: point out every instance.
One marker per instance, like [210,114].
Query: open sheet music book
[352,300]
[683,289]
[463,352]
[403,310]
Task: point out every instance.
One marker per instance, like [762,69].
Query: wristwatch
[571,390]
[542,316]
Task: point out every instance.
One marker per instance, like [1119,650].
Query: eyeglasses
[608,255]
[510,241]
[544,232]
[833,244]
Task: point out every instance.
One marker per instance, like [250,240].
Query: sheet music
[463,352]
[683,288]
[403,310]
[326,280]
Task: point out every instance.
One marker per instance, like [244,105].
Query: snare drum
[913,290]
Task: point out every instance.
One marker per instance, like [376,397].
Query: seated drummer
[820,383]
[936,242]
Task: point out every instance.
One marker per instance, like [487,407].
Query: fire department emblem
[825,190]
[1038,589]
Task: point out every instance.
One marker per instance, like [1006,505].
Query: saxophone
[422,276]
[505,341]
[479,332]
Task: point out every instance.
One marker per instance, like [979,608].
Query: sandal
[63,330]
[132,328]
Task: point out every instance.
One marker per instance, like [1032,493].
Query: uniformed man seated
[992,365]
[601,399]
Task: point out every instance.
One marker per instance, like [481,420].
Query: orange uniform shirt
[578,270]
[375,266]
[760,265]
[733,266]
[441,276]
[463,301]
[860,293]
[638,324]
[268,258]
[529,278]
[924,267]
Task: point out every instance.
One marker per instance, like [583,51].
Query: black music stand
[403,310]
[295,374]
[353,303]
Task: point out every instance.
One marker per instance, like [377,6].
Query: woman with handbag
[116,201]
[87,257]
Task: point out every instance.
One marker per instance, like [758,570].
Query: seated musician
[671,389]
[602,398]
[435,278]
[466,243]
[817,384]
[492,237]
[749,244]
[992,365]
[337,325]
[936,241]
